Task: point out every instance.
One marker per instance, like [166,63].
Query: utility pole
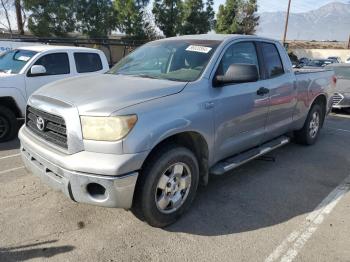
[286,26]
[349,43]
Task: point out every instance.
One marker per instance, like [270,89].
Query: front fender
[162,118]
[16,95]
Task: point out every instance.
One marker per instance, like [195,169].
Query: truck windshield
[14,60]
[177,60]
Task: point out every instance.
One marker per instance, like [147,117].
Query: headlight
[107,128]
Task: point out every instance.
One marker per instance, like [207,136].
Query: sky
[297,6]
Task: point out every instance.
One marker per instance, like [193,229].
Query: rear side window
[272,59]
[55,64]
[87,62]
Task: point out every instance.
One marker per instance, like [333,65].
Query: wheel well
[10,103]
[194,142]
[322,101]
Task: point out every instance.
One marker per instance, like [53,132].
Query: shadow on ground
[30,251]
[261,194]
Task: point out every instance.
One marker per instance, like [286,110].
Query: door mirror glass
[238,73]
[37,70]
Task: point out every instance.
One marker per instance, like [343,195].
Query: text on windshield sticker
[198,48]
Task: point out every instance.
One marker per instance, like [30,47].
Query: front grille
[337,98]
[50,127]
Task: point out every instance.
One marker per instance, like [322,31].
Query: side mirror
[37,70]
[238,73]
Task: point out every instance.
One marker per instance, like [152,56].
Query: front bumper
[108,190]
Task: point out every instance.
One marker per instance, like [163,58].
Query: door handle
[262,91]
[209,105]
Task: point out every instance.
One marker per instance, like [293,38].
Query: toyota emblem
[40,123]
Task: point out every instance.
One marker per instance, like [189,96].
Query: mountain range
[329,22]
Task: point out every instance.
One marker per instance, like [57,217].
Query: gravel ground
[242,216]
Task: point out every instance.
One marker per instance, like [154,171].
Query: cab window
[55,64]
[87,62]
[272,59]
[239,53]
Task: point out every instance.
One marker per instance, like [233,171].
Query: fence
[114,49]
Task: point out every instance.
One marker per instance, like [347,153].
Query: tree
[130,17]
[50,18]
[4,11]
[168,16]
[210,13]
[150,30]
[197,19]
[237,17]
[249,19]
[20,16]
[95,18]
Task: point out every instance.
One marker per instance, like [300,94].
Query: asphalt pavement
[296,208]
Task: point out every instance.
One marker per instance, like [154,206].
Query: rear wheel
[167,186]
[8,124]
[311,129]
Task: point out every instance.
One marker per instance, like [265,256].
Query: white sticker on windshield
[23,58]
[198,48]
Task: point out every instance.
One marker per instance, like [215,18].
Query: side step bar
[237,160]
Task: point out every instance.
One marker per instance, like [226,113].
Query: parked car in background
[319,62]
[26,69]
[303,61]
[347,61]
[149,131]
[341,98]
[335,59]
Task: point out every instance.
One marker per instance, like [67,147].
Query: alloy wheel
[314,124]
[173,188]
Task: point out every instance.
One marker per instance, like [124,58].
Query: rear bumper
[81,186]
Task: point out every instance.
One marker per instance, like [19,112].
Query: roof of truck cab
[43,48]
[214,37]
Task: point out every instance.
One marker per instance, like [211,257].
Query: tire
[8,124]
[309,133]
[167,186]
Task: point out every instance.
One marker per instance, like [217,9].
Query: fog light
[96,191]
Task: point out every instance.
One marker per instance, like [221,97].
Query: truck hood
[101,95]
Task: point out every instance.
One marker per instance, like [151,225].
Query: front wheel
[311,129]
[167,185]
[8,124]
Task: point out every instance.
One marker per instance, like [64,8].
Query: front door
[240,112]
[57,67]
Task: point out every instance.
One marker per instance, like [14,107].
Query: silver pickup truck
[145,134]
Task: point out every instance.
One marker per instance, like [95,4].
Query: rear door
[240,112]
[57,67]
[280,80]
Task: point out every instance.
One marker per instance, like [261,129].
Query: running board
[235,161]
